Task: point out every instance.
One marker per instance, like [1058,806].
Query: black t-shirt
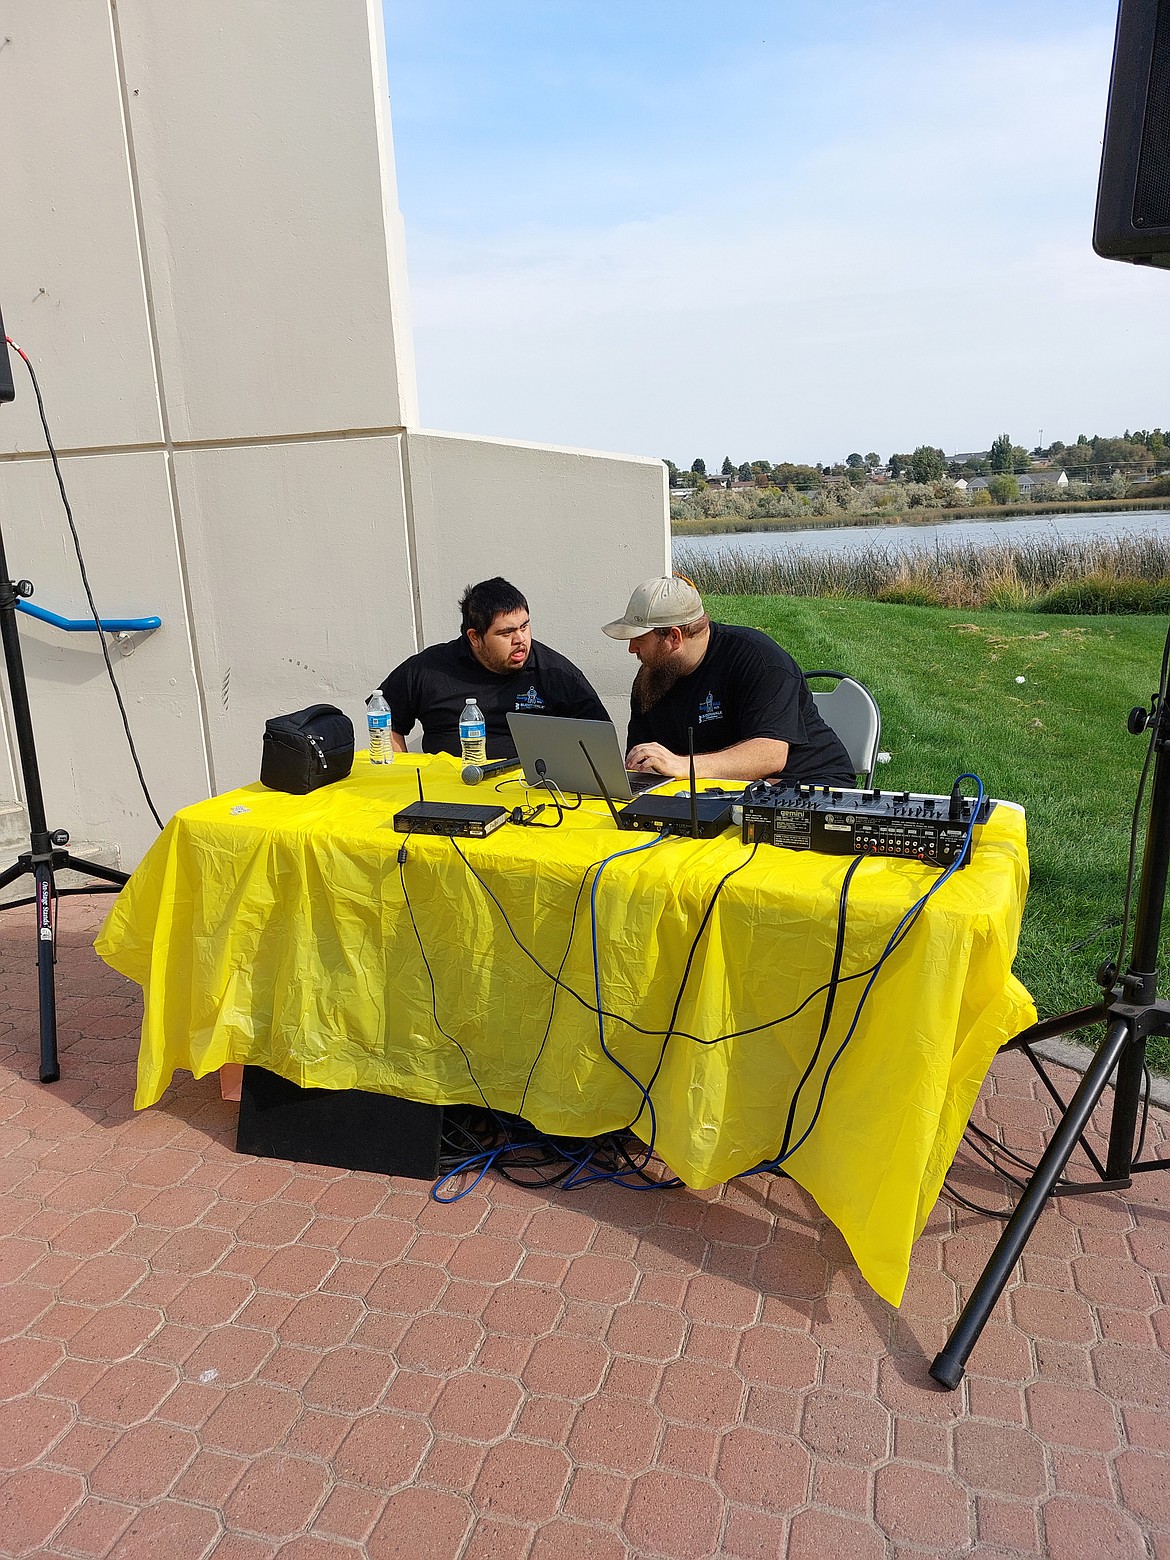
[746,686]
[433,686]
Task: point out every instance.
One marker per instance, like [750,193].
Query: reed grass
[1122,574]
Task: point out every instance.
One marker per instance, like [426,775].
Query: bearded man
[744,697]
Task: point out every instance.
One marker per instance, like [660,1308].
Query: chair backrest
[852,712]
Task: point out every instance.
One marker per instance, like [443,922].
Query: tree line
[1138,453]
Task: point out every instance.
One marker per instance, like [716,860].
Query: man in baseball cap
[744,698]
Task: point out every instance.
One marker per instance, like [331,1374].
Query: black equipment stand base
[47,854]
[1131,1013]
[41,867]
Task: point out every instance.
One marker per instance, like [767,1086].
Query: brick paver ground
[206,1353]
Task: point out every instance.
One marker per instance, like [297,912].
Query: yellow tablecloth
[278,930]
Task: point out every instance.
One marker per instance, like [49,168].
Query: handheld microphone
[474,773]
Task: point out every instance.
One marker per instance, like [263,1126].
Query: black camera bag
[307,749]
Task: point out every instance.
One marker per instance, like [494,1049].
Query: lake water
[925,538]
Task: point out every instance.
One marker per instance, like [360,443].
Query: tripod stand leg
[93,869]
[949,1363]
[46,949]
[16,870]
[1119,1160]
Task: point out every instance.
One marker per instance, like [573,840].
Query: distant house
[1028,482]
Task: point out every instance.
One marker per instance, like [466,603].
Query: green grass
[946,683]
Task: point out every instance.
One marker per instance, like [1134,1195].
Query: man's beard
[651,683]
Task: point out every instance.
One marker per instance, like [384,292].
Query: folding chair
[852,712]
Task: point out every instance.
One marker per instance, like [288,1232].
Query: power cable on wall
[20,352]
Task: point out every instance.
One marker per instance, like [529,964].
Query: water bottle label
[381,746]
[472,730]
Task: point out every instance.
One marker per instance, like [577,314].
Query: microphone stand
[46,854]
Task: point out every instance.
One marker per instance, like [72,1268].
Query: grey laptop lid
[555,740]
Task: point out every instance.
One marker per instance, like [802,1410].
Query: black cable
[554,790]
[989,1159]
[507,1140]
[634,1168]
[1109,925]
[901,932]
[974,1207]
[618,1018]
[557,982]
[530,821]
[686,975]
[85,580]
[830,999]
[973,1132]
[1001,1148]
[1149,1084]
[897,937]
[434,993]
[1131,868]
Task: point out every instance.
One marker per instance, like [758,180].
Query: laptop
[555,740]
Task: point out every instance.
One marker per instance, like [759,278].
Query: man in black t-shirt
[744,697]
[497,662]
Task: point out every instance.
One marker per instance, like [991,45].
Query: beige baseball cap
[668,601]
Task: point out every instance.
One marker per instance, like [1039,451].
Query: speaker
[1133,196]
[348,1128]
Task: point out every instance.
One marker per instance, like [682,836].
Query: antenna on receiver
[418,772]
[694,805]
[602,784]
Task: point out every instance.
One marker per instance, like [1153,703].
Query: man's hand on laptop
[659,760]
[751,759]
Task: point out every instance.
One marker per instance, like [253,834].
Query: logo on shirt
[530,700]
[710,709]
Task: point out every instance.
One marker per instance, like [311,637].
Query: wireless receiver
[465,819]
[695,816]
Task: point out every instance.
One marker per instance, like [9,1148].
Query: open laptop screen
[555,740]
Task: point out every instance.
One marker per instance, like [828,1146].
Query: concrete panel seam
[160,388]
[393,228]
[411,546]
[258,440]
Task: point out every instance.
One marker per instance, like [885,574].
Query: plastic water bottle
[473,734]
[378,721]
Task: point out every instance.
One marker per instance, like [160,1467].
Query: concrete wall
[573,529]
[203,256]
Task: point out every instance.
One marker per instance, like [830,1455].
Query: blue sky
[764,229]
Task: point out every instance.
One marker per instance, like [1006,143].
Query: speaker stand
[1132,1013]
[46,854]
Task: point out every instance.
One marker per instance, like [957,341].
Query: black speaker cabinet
[349,1128]
[1133,197]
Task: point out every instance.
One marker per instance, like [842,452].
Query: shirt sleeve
[400,691]
[768,692]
